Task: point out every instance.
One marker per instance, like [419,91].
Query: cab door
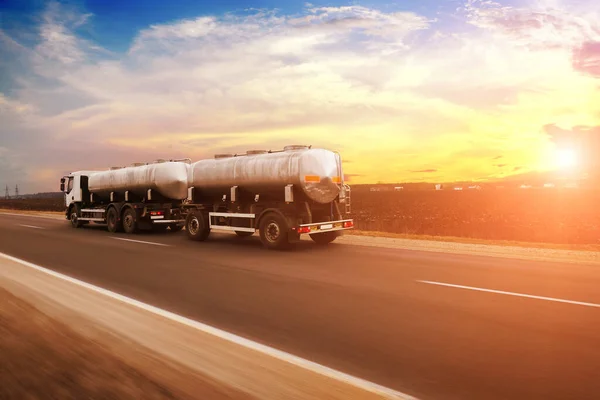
[69,189]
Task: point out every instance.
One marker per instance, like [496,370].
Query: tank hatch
[293,147]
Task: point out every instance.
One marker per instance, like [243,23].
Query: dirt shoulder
[42,357]
[507,251]
[467,240]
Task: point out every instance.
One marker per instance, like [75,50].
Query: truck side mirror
[62,187]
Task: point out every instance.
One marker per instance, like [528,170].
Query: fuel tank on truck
[169,178]
[317,172]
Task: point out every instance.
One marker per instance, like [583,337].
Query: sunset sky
[406,90]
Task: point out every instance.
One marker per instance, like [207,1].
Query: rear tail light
[156,212]
[349,224]
[304,229]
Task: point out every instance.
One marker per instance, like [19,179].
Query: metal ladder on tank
[348,198]
[345,187]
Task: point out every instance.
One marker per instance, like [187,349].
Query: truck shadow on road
[217,240]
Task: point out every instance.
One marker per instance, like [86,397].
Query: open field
[52,204]
[540,216]
[567,217]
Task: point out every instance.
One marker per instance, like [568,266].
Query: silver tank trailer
[317,172]
[167,178]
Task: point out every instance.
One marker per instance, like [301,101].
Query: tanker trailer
[145,196]
[282,194]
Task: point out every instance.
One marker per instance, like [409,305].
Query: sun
[566,158]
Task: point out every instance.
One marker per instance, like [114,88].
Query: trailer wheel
[244,234]
[274,231]
[175,228]
[112,221]
[324,238]
[129,222]
[196,226]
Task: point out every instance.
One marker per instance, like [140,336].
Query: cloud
[545,25]
[426,171]
[497,157]
[501,165]
[13,107]
[541,24]
[425,92]
[586,58]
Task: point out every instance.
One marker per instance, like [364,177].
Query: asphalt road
[379,314]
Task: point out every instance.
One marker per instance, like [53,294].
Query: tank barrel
[316,172]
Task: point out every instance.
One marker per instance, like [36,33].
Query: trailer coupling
[328,226]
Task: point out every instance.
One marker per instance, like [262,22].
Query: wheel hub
[194,226]
[273,232]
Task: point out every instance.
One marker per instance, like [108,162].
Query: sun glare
[566,158]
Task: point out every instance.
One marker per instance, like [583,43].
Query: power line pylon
[6,193]
[16,191]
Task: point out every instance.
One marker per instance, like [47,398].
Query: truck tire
[112,221]
[196,226]
[274,231]
[324,238]
[129,221]
[175,228]
[243,234]
[74,217]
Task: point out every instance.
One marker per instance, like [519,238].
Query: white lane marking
[278,354]
[142,241]
[579,303]
[57,218]
[31,226]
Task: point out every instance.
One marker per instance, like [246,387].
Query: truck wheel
[74,217]
[244,234]
[129,223]
[324,238]
[274,232]
[112,220]
[196,226]
[175,228]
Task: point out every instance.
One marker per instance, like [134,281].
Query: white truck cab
[71,186]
